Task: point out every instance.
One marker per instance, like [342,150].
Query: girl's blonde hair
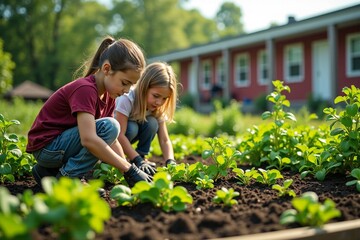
[157,74]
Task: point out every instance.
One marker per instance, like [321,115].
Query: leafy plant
[280,141]
[204,182]
[184,172]
[226,196]
[122,194]
[12,225]
[108,173]
[267,177]
[284,190]
[346,125]
[12,160]
[72,210]
[244,177]
[356,174]
[318,163]
[309,212]
[223,155]
[161,193]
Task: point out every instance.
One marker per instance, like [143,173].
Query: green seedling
[267,177]
[346,126]
[244,177]
[223,155]
[356,174]
[108,173]
[226,196]
[284,190]
[204,182]
[309,212]
[161,193]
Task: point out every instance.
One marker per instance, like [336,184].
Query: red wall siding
[254,90]
[343,80]
[299,90]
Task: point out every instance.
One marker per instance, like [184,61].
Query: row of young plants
[278,146]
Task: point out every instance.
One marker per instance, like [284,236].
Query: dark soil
[258,210]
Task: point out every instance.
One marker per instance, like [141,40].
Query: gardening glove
[134,175]
[144,165]
[171,162]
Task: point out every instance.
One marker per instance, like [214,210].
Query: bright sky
[259,14]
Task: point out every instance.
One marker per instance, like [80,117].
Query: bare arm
[123,140]
[165,143]
[97,146]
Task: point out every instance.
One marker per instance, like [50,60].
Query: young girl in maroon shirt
[75,127]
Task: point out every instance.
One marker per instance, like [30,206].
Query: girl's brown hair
[157,74]
[122,55]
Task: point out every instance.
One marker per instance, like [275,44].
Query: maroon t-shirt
[59,111]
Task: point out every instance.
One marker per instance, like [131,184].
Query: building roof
[313,24]
[29,90]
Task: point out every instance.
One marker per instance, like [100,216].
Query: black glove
[134,175]
[171,162]
[144,165]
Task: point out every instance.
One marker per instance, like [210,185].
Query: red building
[317,56]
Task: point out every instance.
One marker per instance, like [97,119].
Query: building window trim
[352,55]
[263,68]
[206,75]
[242,68]
[294,63]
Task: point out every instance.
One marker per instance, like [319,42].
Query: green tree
[47,37]
[228,19]
[6,68]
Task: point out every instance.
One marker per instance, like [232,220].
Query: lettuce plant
[309,212]
[356,174]
[244,177]
[284,190]
[204,182]
[161,193]
[267,177]
[108,173]
[226,196]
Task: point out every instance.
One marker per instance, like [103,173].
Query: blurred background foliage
[45,41]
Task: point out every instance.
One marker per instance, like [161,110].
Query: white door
[193,80]
[321,83]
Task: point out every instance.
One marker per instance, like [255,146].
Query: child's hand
[170,161]
[144,165]
[134,175]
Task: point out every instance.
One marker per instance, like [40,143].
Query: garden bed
[258,211]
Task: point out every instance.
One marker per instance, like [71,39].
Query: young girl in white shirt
[144,112]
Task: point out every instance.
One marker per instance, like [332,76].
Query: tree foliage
[6,67]
[49,39]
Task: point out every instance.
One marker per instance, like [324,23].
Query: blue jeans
[66,152]
[142,132]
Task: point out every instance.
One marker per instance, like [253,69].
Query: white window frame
[262,66]
[206,73]
[239,70]
[351,54]
[220,72]
[297,49]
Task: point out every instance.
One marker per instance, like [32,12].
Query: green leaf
[346,121]
[352,109]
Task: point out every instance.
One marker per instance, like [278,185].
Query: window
[242,78]
[220,72]
[353,55]
[263,71]
[294,67]
[206,74]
